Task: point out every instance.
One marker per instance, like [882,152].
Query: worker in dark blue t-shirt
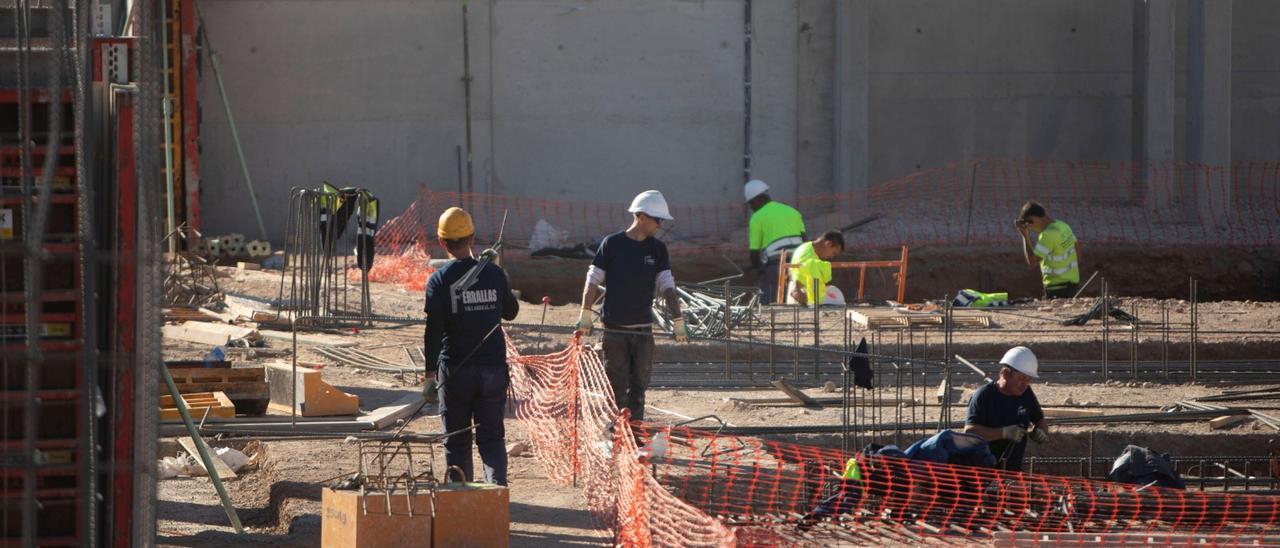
[1003,410]
[631,264]
[464,342]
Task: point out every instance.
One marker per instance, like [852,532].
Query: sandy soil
[280,502]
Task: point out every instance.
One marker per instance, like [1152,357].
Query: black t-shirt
[450,335]
[631,269]
[988,407]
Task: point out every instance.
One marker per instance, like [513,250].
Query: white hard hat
[833,296]
[651,203]
[1023,360]
[754,187]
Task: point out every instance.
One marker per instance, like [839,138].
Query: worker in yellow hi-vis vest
[774,227]
[1055,249]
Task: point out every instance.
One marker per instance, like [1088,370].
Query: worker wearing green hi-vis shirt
[1055,249]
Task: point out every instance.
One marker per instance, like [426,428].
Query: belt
[645,329]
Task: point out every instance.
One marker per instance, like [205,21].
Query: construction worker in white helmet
[1006,413]
[774,227]
[632,265]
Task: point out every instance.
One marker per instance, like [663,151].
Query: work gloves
[1039,436]
[680,330]
[1013,433]
[584,323]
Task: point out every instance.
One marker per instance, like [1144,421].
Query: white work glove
[490,253]
[1013,433]
[680,330]
[1039,436]
[584,323]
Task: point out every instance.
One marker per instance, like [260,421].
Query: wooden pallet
[189,314]
[200,404]
[246,387]
[888,318]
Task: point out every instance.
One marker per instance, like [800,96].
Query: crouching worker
[812,272]
[1003,410]
[465,344]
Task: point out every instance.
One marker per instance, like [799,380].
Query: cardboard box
[465,515]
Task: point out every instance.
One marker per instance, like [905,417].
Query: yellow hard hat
[455,223]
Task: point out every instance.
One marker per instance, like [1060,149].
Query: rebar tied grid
[318,258]
[779,339]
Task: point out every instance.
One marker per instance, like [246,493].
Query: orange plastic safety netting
[970,202]
[695,487]
[408,269]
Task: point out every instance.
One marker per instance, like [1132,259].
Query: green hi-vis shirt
[814,274]
[1056,247]
[773,226]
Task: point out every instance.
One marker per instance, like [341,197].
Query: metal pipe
[205,459]
[1106,330]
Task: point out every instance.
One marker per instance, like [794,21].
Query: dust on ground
[280,502]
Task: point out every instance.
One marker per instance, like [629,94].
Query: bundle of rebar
[704,308]
[317,258]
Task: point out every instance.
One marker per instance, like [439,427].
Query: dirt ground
[280,502]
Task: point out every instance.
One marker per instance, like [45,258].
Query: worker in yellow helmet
[466,351]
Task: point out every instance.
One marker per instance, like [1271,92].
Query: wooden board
[1059,412]
[217,404]
[1228,421]
[887,318]
[246,387]
[188,314]
[310,339]
[795,394]
[224,472]
[202,375]
[180,364]
[212,334]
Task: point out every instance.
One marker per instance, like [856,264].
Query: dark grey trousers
[628,361]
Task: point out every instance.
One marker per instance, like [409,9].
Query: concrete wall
[1255,81]
[954,80]
[595,100]
[354,92]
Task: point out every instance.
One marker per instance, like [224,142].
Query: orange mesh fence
[962,203]
[408,269]
[697,488]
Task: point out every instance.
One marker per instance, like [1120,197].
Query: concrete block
[316,398]
[241,265]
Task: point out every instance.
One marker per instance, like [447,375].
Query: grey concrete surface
[596,100]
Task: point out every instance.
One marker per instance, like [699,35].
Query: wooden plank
[1227,421]
[182,364]
[795,394]
[308,339]
[208,333]
[238,374]
[183,314]
[224,472]
[387,415]
[1060,412]
[214,404]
